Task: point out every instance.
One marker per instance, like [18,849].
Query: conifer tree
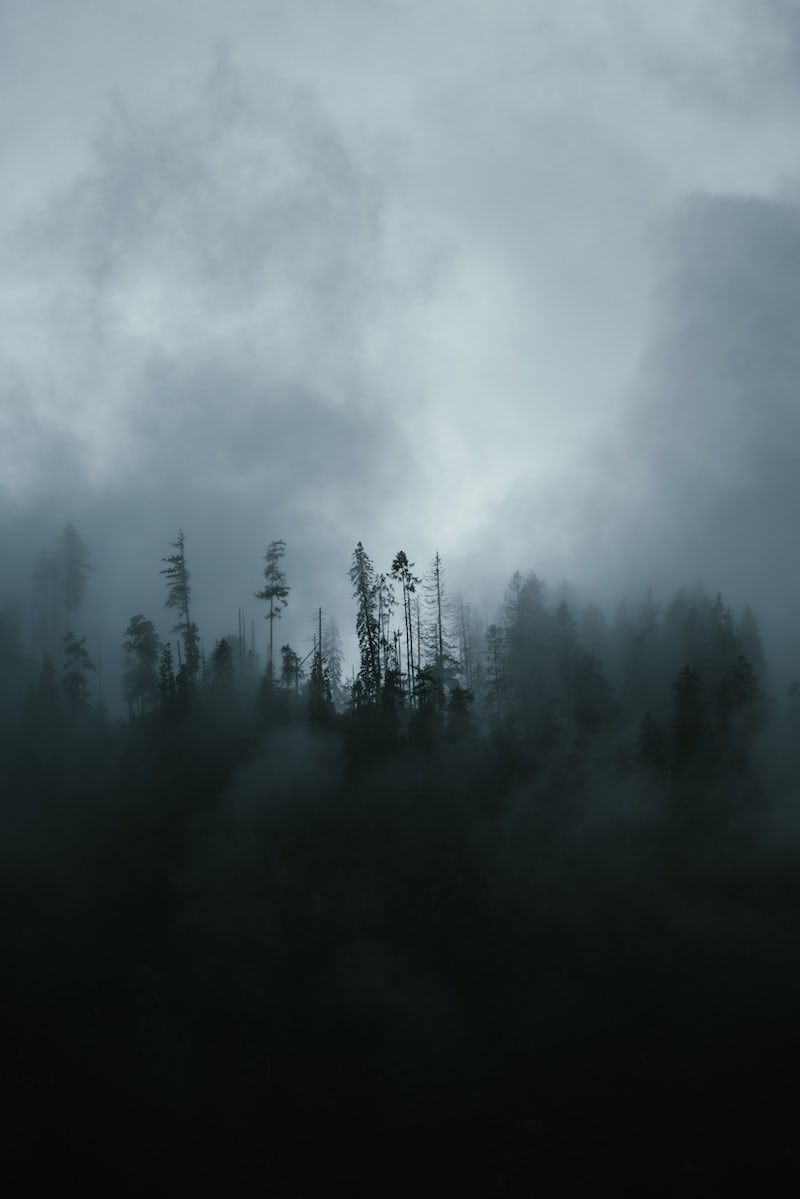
[77,664]
[495,669]
[166,674]
[442,662]
[179,597]
[275,592]
[463,618]
[365,592]
[140,678]
[386,603]
[291,668]
[333,658]
[222,665]
[750,641]
[402,573]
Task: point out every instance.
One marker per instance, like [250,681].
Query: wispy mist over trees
[386,809]
[505,902]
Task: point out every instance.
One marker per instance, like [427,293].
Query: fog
[500,893]
[514,284]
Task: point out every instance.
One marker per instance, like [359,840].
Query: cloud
[186,331]
[385,273]
[701,479]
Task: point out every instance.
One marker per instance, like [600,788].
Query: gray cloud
[424,275]
[187,320]
[701,481]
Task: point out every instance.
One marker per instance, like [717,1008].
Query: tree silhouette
[291,668]
[403,573]
[74,675]
[140,678]
[365,592]
[179,597]
[275,592]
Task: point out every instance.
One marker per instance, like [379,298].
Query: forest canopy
[484,880]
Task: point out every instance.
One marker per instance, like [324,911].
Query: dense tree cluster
[514,903]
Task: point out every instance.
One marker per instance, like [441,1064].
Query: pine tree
[291,668]
[527,645]
[402,573]
[495,670]
[275,592]
[386,605]
[222,665]
[166,675]
[333,658]
[442,662]
[319,685]
[179,597]
[463,619]
[76,665]
[365,592]
[738,707]
[140,679]
[750,641]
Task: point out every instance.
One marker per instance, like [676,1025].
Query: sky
[517,282]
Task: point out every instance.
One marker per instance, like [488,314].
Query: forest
[505,907]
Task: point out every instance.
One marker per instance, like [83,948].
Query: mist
[398,637]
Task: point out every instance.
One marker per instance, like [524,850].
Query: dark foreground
[294,957]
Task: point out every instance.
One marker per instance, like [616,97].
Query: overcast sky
[519,281]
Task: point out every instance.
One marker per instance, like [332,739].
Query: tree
[179,597]
[495,669]
[386,605]
[222,665]
[333,658]
[166,675]
[275,591]
[750,641]
[565,643]
[365,592]
[402,573]
[738,707]
[140,678]
[319,689]
[528,642]
[291,668]
[442,662]
[74,675]
[463,617]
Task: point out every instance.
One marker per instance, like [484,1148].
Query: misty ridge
[500,904]
[671,686]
